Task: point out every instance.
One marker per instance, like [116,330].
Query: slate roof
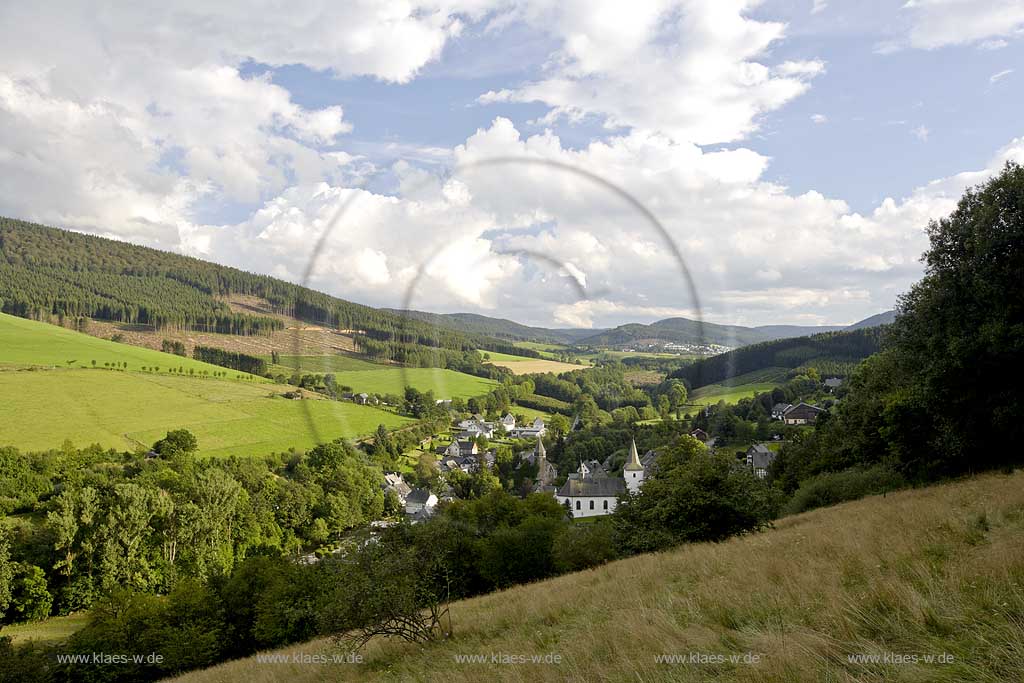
[593,487]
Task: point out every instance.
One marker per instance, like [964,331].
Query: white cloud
[125,118]
[938,23]
[920,132]
[818,6]
[819,118]
[687,69]
[994,78]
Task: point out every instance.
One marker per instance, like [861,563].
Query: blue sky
[793,150]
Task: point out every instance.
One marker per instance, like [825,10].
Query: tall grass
[928,572]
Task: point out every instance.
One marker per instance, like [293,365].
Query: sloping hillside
[61,276]
[834,353]
[931,573]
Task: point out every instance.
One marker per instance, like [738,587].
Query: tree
[390,590]
[693,497]
[6,571]
[178,443]
[30,599]
[559,425]
[677,394]
[664,406]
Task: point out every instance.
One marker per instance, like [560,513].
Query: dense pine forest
[56,275]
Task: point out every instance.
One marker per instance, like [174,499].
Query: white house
[535,430]
[420,501]
[508,422]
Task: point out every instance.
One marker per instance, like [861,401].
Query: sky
[561,163]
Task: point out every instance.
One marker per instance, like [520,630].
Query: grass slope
[27,343]
[738,387]
[922,572]
[52,630]
[123,409]
[376,378]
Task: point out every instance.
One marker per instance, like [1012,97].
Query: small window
[591,505]
[577,505]
[606,505]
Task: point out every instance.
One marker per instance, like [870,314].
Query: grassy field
[376,378]
[527,366]
[444,383]
[52,630]
[740,386]
[936,572]
[124,409]
[26,343]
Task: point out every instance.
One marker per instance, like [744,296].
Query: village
[592,490]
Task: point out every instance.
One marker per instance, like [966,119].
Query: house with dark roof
[802,414]
[759,459]
[420,501]
[393,481]
[700,435]
[779,410]
[833,383]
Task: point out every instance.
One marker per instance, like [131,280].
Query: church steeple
[633,461]
[633,471]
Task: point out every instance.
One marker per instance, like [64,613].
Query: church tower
[633,471]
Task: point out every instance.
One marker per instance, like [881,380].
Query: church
[589,492]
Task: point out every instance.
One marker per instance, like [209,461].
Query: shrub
[835,487]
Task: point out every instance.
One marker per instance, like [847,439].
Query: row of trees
[235,360]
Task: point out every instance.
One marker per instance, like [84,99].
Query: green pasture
[124,409]
[26,343]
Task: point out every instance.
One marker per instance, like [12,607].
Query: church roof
[597,487]
[633,461]
[540,451]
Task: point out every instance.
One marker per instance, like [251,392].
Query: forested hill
[51,274]
[833,353]
[501,328]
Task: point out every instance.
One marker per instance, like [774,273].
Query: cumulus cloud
[756,253]
[123,119]
[703,77]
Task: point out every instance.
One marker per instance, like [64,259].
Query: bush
[581,546]
[835,487]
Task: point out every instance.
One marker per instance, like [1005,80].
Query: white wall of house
[584,509]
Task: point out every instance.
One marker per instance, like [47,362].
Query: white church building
[590,495]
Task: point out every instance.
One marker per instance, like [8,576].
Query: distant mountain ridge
[670,330]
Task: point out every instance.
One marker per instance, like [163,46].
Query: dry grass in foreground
[936,572]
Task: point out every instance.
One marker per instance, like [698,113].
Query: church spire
[540,451]
[633,461]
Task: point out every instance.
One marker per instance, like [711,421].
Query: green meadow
[739,387]
[377,378]
[124,410]
[27,343]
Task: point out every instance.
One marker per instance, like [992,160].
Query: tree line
[235,360]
